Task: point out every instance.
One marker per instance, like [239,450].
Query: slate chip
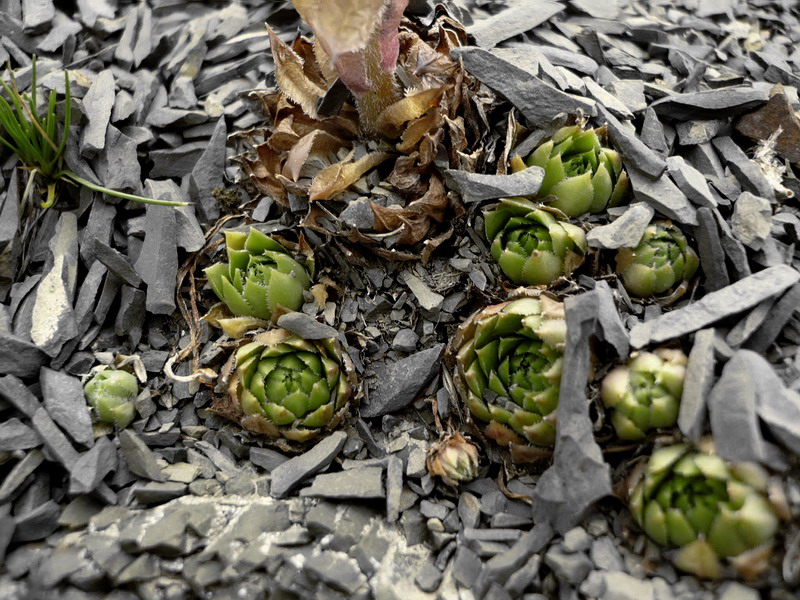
[37,523]
[139,458]
[749,175]
[66,404]
[625,231]
[18,357]
[54,440]
[365,483]
[631,147]
[287,476]
[712,104]
[92,467]
[206,175]
[663,195]
[19,473]
[157,263]
[306,326]
[515,19]
[475,187]
[697,385]
[97,103]
[15,435]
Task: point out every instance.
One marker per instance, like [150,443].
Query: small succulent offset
[290,387]
[260,276]
[531,245]
[454,459]
[508,368]
[111,394]
[662,262]
[646,392]
[581,173]
[704,506]
[34,138]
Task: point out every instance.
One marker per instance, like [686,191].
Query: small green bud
[110,393]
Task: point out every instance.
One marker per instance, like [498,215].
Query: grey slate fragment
[502,565]
[427,298]
[120,162]
[515,19]
[570,567]
[605,554]
[157,492]
[18,357]
[579,476]
[176,162]
[652,133]
[399,383]
[98,228]
[691,182]
[97,103]
[394,487]
[336,570]
[697,385]
[693,133]
[19,473]
[14,392]
[289,475]
[475,187]
[663,195]
[190,234]
[38,523]
[37,14]
[466,566]
[158,259]
[538,101]
[53,320]
[780,315]
[751,222]
[749,174]
[617,585]
[131,314]
[66,404]
[705,159]
[207,175]
[92,467]
[267,458]
[365,483]
[732,407]
[606,100]
[358,214]
[306,326]
[117,263]
[55,441]
[712,104]
[141,460]
[15,435]
[715,306]
[623,232]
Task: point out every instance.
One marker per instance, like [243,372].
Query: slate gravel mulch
[185,504]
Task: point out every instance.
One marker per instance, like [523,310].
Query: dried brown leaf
[339,176]
[291,77]
[315,141]
[406,109]
[341,25]
[418,128]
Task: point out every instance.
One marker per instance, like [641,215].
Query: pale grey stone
[97,104]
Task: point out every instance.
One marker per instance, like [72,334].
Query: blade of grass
[67,115]
[21,136]
[118,194]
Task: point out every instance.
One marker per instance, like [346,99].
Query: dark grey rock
[38,523]
[469,510]
[17,476]
[79,512]
[164,117]
[60,565]
[717,305]
[691,182]
[18,357]
[158,260]
[359,214]
[538,101]
[427,298]
[780,315]
[515,19]
[337,571]
[466,566]
[266,458]
[399,383]
[289,475]
[66,404]
[394,487]
[92,467]
[119,163]
[364,483]
[633,150]
[746,326]
[711,252]
[55,441]
[131,314]
[190,234]
[158,492]
[221,461]
[428,577]
[711,104]
[652,133]
[663,195]
[37,14]
[570,567]
[15,435]
[749,174]
[207,175]
[143,567]
[97,103]
[569,59]
[475,187]
[605,554]
[625,231]
[295,535]
[751,222]
[697,385]
[405,340]
[139,458]
[53,320]
[97,228]
[306,326]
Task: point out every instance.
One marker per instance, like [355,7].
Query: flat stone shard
[625,231]
[712,104]
[306,326]
[66,404]
[518,18]
[475,187]
[631,147]
[735,298]
[97,103]
[748,173]
[158,260]
[697,385]
[691,182]
[141,460]
[365,483]
[751,222]
[663,195]
[92,467]
[287,476]
[19,357]
[539,102]
[761,124]
[398,384]
[207,174]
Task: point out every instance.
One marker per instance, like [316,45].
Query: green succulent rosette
[645,393]
[661,262]
[508,368]
[286,386]
[531,245]
[260,276]
[704,506]
[581,173]
[111,393]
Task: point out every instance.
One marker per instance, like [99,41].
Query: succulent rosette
[531,245]
[508,368]
[581,173]
[260,276]
[111,393]
[286,386]
[661,262]
[646,392]
[454,459]
[704,506]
